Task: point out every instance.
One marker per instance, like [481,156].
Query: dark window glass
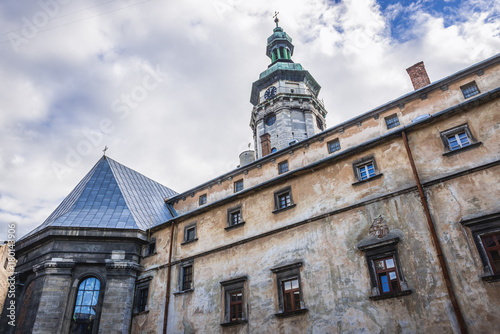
[143,299]
[291,295]
[492,247]
[235,218]
[283,167]
[238,186]
[190,233]
[333,146]
[270,120]
[85,311]
[203,199]
[387,275]
[187,277]
[392,121]
[151,249]
[236,306]
[469,90]
[319,123]
[284,200]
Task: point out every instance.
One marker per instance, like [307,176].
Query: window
[283,199]
[457,139]
[271,119]
[234,301]
[469,89]
[86,313]
[333,145]
[273,150]
[185,277]
[141,296]
[283,167]
[189,233]
[486,234]
[381,253]
[238,186]
[150,248]
[203,199]
[290,301]
[392,121]
[365,169]
[319,123]
[234,218]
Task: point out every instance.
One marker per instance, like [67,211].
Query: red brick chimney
[418,75]
[265,143]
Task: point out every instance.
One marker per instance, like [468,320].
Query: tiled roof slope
[113,196]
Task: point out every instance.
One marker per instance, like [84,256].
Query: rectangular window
[238,186]
[333,145]
[235,218]
[458,138]
[392,121]
[492,248]
[283,199]
[143,299]
[203,199]
[141,295]
[387,275]
[187,277]
[189,233]
[366,171]
[236,306]
[290,299]
[151,248]
[283,167]
[234,301]
[291,295]
[470,89]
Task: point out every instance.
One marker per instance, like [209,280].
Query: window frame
[229,287]
[236,185]
[463,128]
[183,267]
[287,191]
[480,227]
[230,212]
[202,200]
[190,226]
[140,286]
[280,165]
[332,142]
[381,250]
[468,85]
[388,121]
[361,163]
[284,274]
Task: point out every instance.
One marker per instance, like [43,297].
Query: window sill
[391,295]
[491,278]
[140,313]
[285,208]
[234,323]
[377,176]
[229,228]
[183,292]
[462,149]
[291,313]
[189,241]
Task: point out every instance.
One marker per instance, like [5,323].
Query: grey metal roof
[112,195]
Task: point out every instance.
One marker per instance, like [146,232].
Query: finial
[276,18]
[105,149]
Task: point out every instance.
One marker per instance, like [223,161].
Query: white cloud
[60,87]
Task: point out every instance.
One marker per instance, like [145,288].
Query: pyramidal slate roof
[112,195]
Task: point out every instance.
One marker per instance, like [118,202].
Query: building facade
[386,223]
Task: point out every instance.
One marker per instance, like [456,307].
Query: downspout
[437,246]
[169,270]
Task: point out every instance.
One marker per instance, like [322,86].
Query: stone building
[388,222]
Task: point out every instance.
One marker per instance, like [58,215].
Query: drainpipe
[437,246]
[167,297]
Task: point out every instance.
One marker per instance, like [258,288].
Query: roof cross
[275,17]
[105,149]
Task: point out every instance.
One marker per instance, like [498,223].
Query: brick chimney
[418,75]
[265,143]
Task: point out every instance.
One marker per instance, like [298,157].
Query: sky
[165,85]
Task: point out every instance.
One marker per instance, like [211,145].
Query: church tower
[285,99]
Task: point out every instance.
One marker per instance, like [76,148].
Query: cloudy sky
[166,84]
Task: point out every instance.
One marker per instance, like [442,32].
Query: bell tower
[285,99]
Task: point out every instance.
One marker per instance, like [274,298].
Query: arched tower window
[86,313]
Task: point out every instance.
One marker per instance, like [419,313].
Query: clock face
[270,92]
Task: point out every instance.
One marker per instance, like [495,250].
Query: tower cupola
[279,45]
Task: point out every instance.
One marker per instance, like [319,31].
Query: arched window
[86,313]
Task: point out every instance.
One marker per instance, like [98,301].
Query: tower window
[319,123]
[85,313]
